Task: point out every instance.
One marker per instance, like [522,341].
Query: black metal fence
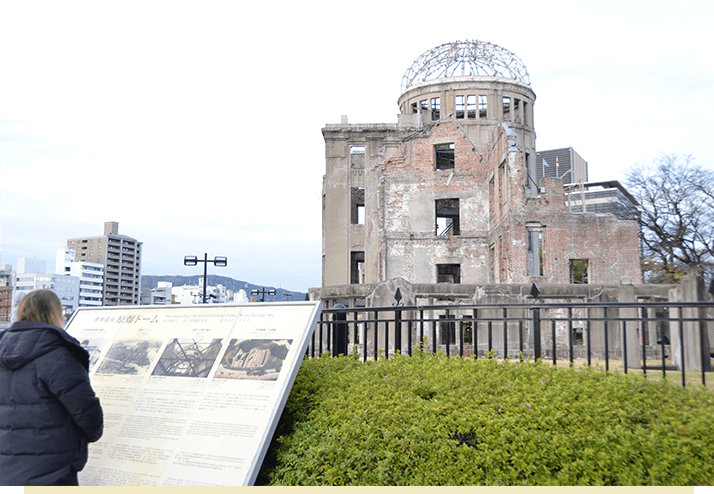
[651,336]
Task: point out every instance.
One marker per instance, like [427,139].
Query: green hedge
[433,420]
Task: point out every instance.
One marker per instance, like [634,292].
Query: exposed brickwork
[494,211]
[478,217]
[610,246]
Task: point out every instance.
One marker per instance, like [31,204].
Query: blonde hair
[41,306]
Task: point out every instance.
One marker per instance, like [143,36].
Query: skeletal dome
[465,58]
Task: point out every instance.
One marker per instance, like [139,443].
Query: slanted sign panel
[191,394]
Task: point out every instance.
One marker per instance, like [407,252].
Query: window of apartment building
[460,106]
[471,106]
[534,250]
[447,217]
[356,267]
[448,273]
[579,271]
[435,108]
[357,206]
[482,106]
[506,108]
[444,156]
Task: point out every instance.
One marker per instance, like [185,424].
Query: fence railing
[651,336]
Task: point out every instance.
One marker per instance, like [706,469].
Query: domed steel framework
[465,58]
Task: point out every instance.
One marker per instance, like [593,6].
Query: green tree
[676,203]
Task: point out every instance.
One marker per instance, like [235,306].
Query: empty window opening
[534,251]
[424,105]
[506,108]
[502,185]
[460,106]
[357,267]
[579,271]
[444,156]
[492,263]
[662,327]
[501,261]
[435,108]
[357,210]
[482,106]
[414,108]
[448,273]
[447,329]
[447,217]
[357,156]
[525,113]
[516,110]
[471,106]
[491,199]
[467,326]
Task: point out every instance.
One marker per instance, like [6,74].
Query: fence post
[397,330]
[628,337]
[690,345]
[536,334]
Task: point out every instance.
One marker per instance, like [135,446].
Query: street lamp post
[218,261]
[262,291]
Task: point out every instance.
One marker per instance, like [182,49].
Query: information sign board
[191,394]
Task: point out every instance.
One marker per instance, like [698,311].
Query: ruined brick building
[454,194]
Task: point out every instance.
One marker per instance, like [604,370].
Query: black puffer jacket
[48,410]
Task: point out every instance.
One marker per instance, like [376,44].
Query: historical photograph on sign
[132,356]
[253,359]
[188,357]
[94,347]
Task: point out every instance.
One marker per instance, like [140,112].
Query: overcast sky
[197,124]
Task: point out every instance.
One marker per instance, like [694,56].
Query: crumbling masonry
[449,194]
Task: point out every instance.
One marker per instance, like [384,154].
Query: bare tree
[676,202]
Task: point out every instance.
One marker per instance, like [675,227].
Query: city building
[90,274]
[7,282]
[193,294]
[453,194]
[66,288]
[564,163]
[25,265]
[161,295]
[601,198]
[121,257]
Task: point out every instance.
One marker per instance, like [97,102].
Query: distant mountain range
[151,281]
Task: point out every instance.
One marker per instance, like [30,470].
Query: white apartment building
[90,274]
[193,294]
[66,288]
[161,295]
[25,265]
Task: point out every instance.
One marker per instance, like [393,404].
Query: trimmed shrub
[433,420]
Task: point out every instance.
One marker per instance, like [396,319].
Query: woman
[48,410]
